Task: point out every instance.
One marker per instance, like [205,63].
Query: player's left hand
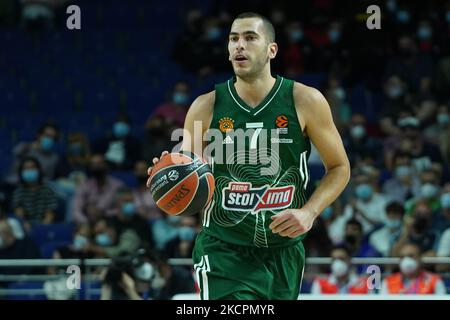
[292,222]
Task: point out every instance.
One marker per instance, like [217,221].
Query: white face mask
[158,281]
[339,267]
[408,265]
[145,272]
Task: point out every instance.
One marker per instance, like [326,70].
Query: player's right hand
[155,161]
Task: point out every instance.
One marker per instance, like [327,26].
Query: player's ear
[273,49]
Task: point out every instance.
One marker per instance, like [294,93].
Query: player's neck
[254,90]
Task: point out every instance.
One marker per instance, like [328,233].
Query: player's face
[248,47]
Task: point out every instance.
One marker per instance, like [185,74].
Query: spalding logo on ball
[181,183]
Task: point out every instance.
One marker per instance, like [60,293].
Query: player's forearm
[330,187]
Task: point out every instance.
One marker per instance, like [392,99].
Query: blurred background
[83,112]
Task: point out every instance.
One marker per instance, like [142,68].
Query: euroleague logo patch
[173,175]
[282,121]
[226,124]
[240,196]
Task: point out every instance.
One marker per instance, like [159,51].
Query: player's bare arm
[200,111]
[316,120]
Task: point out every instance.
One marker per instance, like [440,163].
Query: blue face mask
[402,171]
[429,190]
[358,132]
[296,35]
[334,35]
[445,200]
[30,175]
[213,33]
[128,208]
[364,191]
[103,240]
[47,143]
[75,148]
[424,33]
[443,118]
[393,224]
[186,233]
[121,129]
[180,98]
[403,16]
[327,213]
[79,242]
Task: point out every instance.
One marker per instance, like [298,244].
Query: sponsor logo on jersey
[226,124]
[241,196]
[228,140]
[281,140]
[282,121]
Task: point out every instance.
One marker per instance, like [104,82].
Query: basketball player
[250,244]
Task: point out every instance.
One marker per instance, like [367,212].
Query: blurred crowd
[396,205]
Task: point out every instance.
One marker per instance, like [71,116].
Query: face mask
[79,242]
[173,219]
[128,208]
[395,92]
[429,190]
[408,265]
[186,233]
[445,200]
[103,240]
[443,118]
[334,35]
[339,268]
[180,98]
[424,33]
[30,175]
[393,223]
[145,272]
[351,239]
[121,129]
[403,16]
[213,33]
[402,171]
[158,281]
[339,93]
[391,5]
[296,35]
[327,213]
[75,148]
[364,191]
[358,132]
[47,143]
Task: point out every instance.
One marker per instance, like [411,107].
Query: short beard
[254,71]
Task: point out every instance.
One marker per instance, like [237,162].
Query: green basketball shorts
[228,271]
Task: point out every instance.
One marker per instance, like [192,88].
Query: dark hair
[270,30]
[38,167]
[354,222]
[48,125]
[396,207]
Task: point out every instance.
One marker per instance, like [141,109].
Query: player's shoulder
[306,95]
[204,103]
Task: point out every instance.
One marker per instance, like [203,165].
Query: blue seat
[27,295]
[62,232]
[48,248]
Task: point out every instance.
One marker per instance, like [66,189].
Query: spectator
[441,217]
[145,205]
[95,196]
[157,137]
[78,249]
[112,241]
[34,201]
[439,132]
[174,111]
[417,229]
[343,279]
[128,218]
[78,152]
[42,149]
[383,239]
[429,191]
[182,245]
[354,240]
[412,279]
[164,230]
[404,183]
[14,247]
[121,150]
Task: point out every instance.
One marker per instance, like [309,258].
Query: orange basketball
[181,183]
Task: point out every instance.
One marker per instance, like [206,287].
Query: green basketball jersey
[260,167]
